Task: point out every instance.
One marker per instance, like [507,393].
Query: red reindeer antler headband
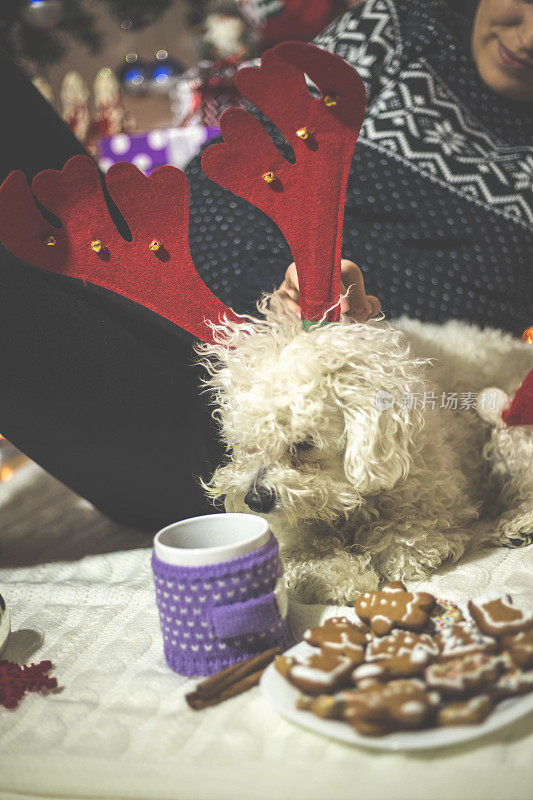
[155,268]
[304,199]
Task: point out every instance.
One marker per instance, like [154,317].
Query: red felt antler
[305,199]
[155,269]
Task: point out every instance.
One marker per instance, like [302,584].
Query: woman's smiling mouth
[511,62]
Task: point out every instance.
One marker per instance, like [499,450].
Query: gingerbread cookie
[466,712]
[463,639]
[464,675]
[408,666]
[497,616]
[401,654]
[401,643]
[444,614]
[512,681]
[394,607]
[397,705]
[325,706]
[520,648]
[339,637]
[366,674]
[318,673]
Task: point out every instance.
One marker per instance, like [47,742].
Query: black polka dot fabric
[439,205]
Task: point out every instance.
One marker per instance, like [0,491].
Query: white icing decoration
[418,655]
[412,708]
[367,671]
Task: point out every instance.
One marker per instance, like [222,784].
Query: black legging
[96,389]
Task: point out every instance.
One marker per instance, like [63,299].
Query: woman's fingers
[376,305]
[288,291]
[354,300]
[290,303]
[291,280]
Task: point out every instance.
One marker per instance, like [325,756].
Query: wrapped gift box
[150,150]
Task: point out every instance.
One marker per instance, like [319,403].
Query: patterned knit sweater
[439,212]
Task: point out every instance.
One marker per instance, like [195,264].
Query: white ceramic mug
[209,539]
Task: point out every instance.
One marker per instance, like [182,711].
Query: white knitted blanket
[80,592]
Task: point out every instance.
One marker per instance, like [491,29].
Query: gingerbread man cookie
[463,639]
[397,705]
[513,681]
[339,637]
[497,616]
[319,672]
[466,712]
[520,648]
[395,607]
[401,654]
[464,675]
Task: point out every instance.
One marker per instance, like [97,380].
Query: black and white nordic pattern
[439,205]
[416,117]
[418,120]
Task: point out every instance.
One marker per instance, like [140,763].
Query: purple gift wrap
[150,150]
[213,616]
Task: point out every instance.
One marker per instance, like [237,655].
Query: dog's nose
[261,498]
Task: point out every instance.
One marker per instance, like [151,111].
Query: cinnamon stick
[198,703]
[217,683]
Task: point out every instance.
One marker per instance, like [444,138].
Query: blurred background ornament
[164,72]
[133,74]
[228,32]
[74,97]
[229,37]
[109,111]
[43,86]
[44,13]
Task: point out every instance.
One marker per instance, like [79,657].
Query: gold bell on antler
[527,336]
[97,246]
[330,100]
[302,133]
[269,177]
[155,245]
[50,241]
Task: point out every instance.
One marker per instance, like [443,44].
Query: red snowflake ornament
[15,681]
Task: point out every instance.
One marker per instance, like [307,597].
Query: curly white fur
[375,493]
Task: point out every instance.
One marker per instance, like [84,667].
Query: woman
[439,207]
[100,391]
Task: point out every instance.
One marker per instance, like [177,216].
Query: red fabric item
[306,201]
[299,19]
[520,412]
[165,281]
[15,681]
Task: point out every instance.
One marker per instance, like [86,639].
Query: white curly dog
[346,437]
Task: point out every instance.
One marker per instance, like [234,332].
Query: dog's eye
[303,446]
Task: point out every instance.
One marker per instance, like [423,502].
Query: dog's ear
[377,446]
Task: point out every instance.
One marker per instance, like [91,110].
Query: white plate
[282,696]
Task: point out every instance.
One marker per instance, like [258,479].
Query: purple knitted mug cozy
[215,615]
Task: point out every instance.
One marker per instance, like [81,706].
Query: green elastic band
[307,324]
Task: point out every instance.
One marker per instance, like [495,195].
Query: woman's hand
[358,305]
